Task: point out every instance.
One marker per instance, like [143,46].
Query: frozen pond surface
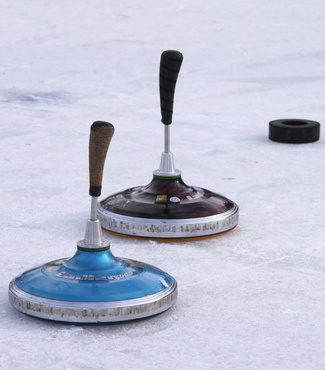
[252,298]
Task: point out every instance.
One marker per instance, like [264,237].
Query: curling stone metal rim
[169,228]
[92,312]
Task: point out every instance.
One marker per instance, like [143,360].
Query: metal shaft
[167,138]
[93,209]
[167,166]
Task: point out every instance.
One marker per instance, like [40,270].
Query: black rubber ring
[294,131]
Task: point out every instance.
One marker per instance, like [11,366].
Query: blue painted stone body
[93,277]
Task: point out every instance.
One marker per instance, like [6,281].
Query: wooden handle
[170,65]
[100,137]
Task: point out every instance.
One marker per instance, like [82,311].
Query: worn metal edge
[171,228]
[92,312]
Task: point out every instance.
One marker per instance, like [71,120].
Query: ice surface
[249,299]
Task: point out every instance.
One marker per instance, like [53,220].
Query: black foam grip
[170,65]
